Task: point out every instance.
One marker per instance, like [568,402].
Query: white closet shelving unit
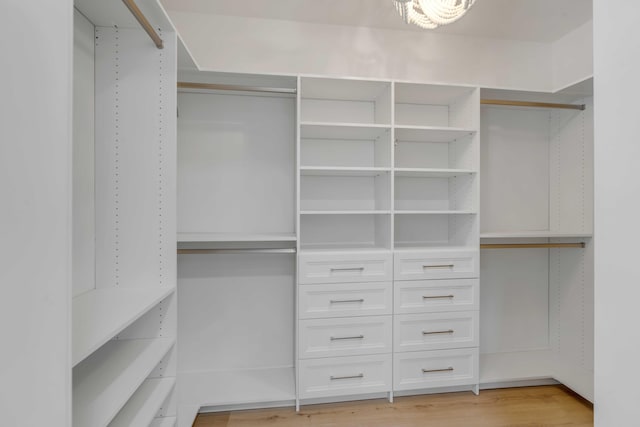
[124,308]
[537,187]
[237,241]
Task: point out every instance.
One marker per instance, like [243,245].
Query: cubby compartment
[359,191]
[435,149]
[345,101]
[436,106]
[435,230]
[345,231]
[441,191]
[338,146]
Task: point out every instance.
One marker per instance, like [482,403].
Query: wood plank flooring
[528,406]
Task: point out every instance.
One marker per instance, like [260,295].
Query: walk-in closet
[224,206]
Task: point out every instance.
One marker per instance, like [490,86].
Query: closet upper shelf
[532,234]
[431,173]
[101,314]
[235,237]
[347,131]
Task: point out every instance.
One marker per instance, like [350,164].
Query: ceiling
[527,20]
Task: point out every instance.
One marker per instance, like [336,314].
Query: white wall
[250,45]
[35,213]
[573,57]
[617,191]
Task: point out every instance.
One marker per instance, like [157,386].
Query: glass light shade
[431,14]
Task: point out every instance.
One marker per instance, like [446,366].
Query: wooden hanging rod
[530,245]
[239,88]
[531,104]
[137,13]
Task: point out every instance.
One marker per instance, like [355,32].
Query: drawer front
[435,331]
[436,295]
[342,376]
[452,264]
[343,300]
[344,336]
[342,267]
[439,368]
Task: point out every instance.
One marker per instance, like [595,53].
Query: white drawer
[436,295]
[435,331]
[439,368]
[344,336]
[436,264]
[341,267]
[342,300]
[342,376]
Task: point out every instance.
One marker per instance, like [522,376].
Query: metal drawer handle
[339,301]
[347,269]
[438,266]
[428,371]
[355,337]
[449,331]
[346,377]
[436,296]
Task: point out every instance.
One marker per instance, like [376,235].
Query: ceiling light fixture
[431,14]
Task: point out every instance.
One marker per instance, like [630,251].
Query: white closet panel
[83,155]
[236,163]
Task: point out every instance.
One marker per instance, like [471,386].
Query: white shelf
[341,171]
[163,422]
[350,212]
[515,366]
[103,383]
[345,248]
[346,131]
[143,406]
[430,133]
[421,212]
[431,173]
[100,314]
[532,234]
[235,237]
[239,387]
[421,246]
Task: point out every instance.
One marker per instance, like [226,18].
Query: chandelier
[432,13]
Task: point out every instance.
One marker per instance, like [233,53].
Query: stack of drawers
[345,303]
[436,328]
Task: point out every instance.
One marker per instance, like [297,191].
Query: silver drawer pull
[346,377]
[347,269]
[355,337]
[449,331]
[436,296]
[340,301]
[428,371]
[438,265]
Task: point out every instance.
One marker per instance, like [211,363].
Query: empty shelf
[347,131]
[532,234]
[100,314]
[145,403]
[349,212]
[235,237]
[430,133]
[431,173]
[431,212]
[103,383]
[341,171]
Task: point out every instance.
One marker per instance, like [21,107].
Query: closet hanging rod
[531,104]
[238,88]
[237,251]
[530,245]
[137,13]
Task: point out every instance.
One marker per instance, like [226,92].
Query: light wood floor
[528,406]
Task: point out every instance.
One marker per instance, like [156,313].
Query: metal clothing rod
[237,251]
[530,245]
[531,104]
[239,88]
[137,13]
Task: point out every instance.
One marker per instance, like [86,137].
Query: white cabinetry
[537,188]
[124,304]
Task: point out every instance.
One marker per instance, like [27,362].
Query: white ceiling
[529,20]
